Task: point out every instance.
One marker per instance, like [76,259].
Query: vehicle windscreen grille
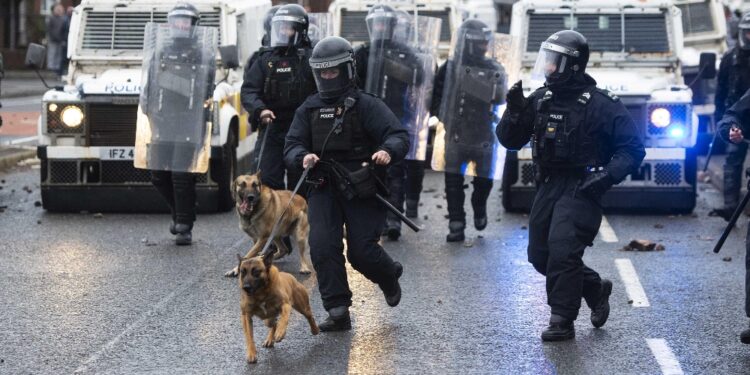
[696,18]
[644,33]
[354,27]
[128,28]
[112,125]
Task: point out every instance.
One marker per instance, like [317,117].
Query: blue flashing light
[676,132]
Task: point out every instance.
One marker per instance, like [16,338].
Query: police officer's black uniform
[344,127]
[177,188]
[279,81]
[472,127]
[738,116]
[405,177]
[733,80]
[584,141]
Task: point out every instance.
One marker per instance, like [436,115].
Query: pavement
[25,83]
[88,293]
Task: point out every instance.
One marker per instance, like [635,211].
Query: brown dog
[270,295]
[259,206]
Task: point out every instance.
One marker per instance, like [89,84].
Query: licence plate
[117,153]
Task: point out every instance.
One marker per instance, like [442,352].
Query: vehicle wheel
[225,173]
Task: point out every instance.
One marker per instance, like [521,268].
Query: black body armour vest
[286,87]
[348,143]
[560,136]
[739,78]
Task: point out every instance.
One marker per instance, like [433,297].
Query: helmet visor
[180,26]
[284,33]
[333,76]
[381,25]
[553,64]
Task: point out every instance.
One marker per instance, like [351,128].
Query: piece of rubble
[98,215]
[439,206]
[660,247]
[524,227]
[640,245]
[429,190]
[469,242]
[727,259]
[426,217]
[658,226]
[39,222]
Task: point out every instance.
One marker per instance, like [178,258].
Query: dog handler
[334,132]
[583,142]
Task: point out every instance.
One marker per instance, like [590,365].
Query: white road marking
[664,355]
[632,284]
[158,307]
[606,231]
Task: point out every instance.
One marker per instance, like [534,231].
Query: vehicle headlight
[72,116]
[661,117]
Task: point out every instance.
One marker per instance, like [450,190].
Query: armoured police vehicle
[635,54]
[87,128]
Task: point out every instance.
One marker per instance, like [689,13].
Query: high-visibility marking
[664,355]
[158,307]
[606,231]
[632,284]
[19,141]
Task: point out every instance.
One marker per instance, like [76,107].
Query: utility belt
[544,173]
[362,182]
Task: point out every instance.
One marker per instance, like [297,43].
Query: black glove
[516,101]
[596,184]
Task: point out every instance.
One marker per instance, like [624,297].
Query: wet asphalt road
[112,294]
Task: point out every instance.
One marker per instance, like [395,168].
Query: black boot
[184,234]
[338,320]
[600,313]
[393,292]
[724,213]
[482,189]
[745,336]
[456,231]
[559,329]
[412,208]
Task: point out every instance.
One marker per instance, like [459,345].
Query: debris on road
[658,226]
[439,206]
[705,238]
[643,245]
[469,242]
[727,259]
[98,215]
[524,227]
[429,190]
[37,204]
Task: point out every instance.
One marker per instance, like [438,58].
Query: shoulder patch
[610,95]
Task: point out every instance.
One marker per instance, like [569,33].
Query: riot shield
[321,26]
[472,104]
[173,131]
[401,70]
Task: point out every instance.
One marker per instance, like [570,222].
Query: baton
[406,220]
[732,221]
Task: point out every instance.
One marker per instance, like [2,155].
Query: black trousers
[328,212]
[747,272]
[272,167]
[178,190]
[733,174]
[454,193]
[562,224]
[404,182]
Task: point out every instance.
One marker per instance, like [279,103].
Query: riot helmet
[381,22]
[314,33]
[181,20]
[743,37]
[476,37]
[403,25]
[289,26]
[562,56]
[332,63]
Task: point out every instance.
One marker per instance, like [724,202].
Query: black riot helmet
[268,17]
[289,26]
[743,37]
[475,36]
[562,56]
[332,63]
[381,22]
[181,20]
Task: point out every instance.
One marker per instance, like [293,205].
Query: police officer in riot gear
[734,128]
[335,132]
[275,85]
[469,123]
[583,142]
[177,188]
[732,82]
[405,177]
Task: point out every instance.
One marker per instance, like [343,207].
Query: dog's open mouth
[246,206]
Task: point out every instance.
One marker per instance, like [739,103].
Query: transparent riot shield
[472,103]
[173,130]
[401,70]
[321,26]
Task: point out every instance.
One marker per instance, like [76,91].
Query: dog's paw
[279,336]
[268,343]
[314,330]
[251,358]
[232,273]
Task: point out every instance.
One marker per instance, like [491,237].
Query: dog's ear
[234,191]
[268,258]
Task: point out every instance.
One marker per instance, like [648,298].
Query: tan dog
[270,295]
[259,207]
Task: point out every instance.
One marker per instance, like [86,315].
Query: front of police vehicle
[87,129]
[634,54]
